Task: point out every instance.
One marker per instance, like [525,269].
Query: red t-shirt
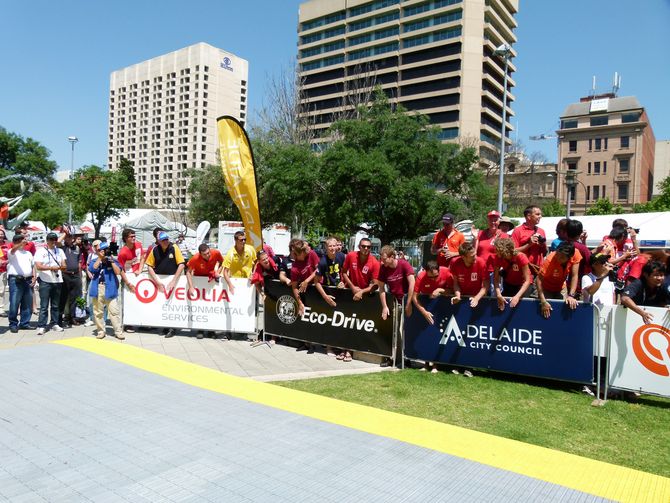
[469,279]
[554,274]
[361,275]
[202,267]
[453,242]
[302,269]
[513,268]
[396,279]
[485,248]
[30,246]
[313,259]
[535,253]
[133,257]
[427,285]
[258,276]
[5,250]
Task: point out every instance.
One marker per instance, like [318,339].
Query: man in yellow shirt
[239,261]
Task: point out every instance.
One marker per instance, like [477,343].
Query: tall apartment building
[432,56]
[162,117]
[608,144]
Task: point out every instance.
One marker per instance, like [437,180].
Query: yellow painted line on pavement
[582,474]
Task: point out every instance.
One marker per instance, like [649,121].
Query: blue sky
[58,55]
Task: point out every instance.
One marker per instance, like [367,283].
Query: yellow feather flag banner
[237,163]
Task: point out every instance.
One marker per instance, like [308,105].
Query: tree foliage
[209,198]
[103,194]
[25,169]
[604,207]
[659,203]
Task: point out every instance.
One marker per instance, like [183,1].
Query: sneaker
[3,315]
[170,332]
[434,371]
[14,330]
[129,329]
[467,373]
[26,327]
[100,335]
[588,391]
[40,331]
[200,334]
[454,371]
[120,336]
[88,323]
[57,328]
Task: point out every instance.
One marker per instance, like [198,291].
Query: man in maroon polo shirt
[398,274]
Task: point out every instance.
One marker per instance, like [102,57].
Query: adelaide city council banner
[355,325]
[639,358]
[518,341]
[237,164]
[209,307]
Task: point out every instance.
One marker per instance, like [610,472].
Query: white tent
[654,227]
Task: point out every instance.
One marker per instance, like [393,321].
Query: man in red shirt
[530,239]
[434,281]
[303,271]
[204,263]
[130,254]
[398,274]
[361,269]
[446,241]
[470,275]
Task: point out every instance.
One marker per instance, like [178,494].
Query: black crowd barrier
[353,325]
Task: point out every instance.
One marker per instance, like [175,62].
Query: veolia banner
[518,340]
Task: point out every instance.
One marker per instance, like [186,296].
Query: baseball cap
[448,217]
[104,245]
[162,236]
[493,213]
[52,235]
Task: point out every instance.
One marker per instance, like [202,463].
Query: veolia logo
[146,291]
[651,345]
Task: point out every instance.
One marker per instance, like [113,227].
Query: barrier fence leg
[395,333]
[260,325]
[401,334]
[598,328]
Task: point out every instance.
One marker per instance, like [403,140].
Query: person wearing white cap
[50,263]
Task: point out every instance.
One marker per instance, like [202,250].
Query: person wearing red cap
[484,244]
[446,241]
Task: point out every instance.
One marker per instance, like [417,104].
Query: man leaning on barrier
[511,265]
[361,269]
[550,281]
[205,263]
[433,281]
[328,271]
[470,275]
[653,289]
[398,274]
[239,261]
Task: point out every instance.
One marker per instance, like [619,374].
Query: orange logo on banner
[651,344]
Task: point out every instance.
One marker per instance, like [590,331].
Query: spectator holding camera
[50,264]
[652,289]
[530,239]
[104,290]
[598,285]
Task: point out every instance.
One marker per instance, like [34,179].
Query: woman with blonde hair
[512,266]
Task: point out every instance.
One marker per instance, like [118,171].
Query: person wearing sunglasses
[360,270]
[239,261]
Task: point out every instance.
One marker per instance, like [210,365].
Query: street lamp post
[571,182]
[72,140]
[505,51]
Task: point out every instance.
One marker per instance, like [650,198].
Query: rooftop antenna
[593,86]
[616,84]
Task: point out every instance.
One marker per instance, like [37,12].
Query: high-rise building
[162,117]
[432,56]
[606,145]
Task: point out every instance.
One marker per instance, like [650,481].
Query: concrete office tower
[162,117]
[608,143]
[432,56]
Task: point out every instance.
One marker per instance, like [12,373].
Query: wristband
[571,295]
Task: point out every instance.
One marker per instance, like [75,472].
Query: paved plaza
[179,419]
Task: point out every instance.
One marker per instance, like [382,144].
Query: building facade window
[622,192]
[596,168]
[630,117]
[624,165]
[598,143]
[569,124]
[572,165]
[596,192]
[588,169]
[601,120]
[625,141]
[572,146]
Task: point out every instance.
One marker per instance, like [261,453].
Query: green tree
[389,169]
[25,169]
[209,198]
[659,203]
[604,207]
[553,208]
[103,194]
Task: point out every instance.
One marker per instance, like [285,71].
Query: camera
[108,252]
[637,231]
[612,276]
[541,239]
